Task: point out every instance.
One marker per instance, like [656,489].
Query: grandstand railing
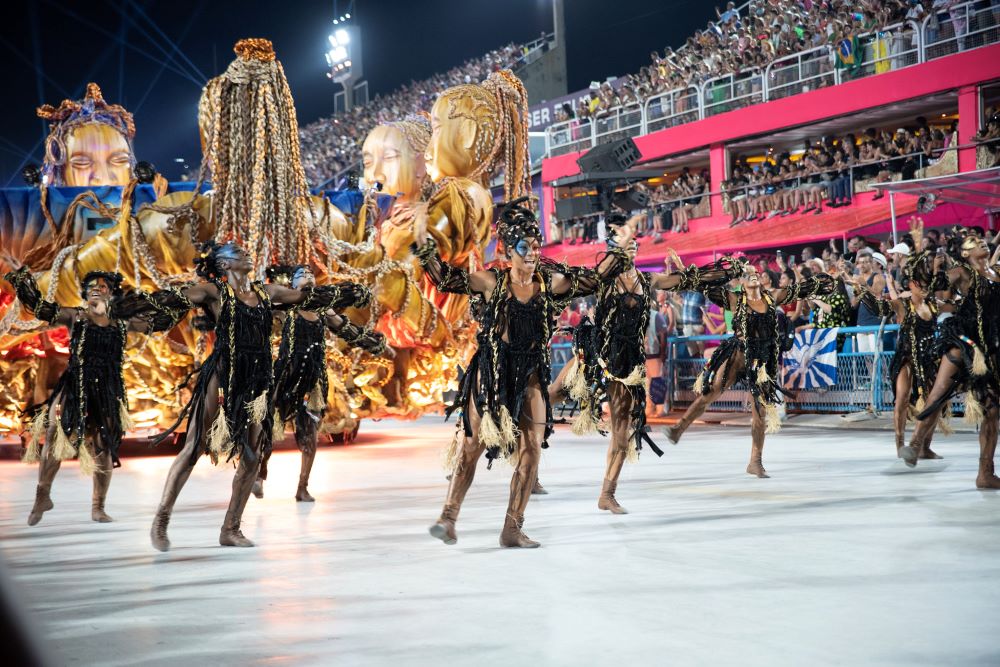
[532,51]
[889,48]
[732,91]
[800,73]
[962,28]
[618,123]
[674,107]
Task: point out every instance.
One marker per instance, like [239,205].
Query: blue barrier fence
[862,374]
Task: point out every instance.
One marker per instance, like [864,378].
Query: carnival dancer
[503,396]
[86,414]
[238,371]
[752,355]
[610,364]
[915,362]
[969,345]
[300,380]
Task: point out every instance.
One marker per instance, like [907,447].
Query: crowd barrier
[863,381]
[862,376]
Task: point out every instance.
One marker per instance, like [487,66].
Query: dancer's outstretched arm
[570,282]
[452,279]
[31,298]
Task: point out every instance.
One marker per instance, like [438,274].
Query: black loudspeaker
[632,200]
[577,207]
[615,156]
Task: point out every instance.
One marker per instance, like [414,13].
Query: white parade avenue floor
[830,562]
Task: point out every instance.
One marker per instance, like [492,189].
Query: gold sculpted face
[97,154]
[453,136]
[390,160]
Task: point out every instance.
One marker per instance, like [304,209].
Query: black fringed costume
[512,343]
[971,340]
[241,360]
[916,347]
[757,336]
[611,348]
[91,391]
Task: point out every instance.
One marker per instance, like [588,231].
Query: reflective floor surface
[834,560]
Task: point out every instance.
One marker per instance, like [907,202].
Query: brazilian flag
[849,56]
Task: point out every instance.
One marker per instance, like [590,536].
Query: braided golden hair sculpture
[250,138]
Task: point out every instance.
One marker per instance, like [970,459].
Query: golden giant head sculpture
[476,127]
[89,143]
[393,155]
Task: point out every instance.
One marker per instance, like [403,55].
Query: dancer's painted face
[750,277]
[98,291]
[526,253]
[235,258]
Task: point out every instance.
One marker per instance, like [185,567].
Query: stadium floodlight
[342,37]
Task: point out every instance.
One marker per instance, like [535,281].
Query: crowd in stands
[331,145]
[749,38]
[824,172]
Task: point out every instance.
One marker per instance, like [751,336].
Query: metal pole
[892,212]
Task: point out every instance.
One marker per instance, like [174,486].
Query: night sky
[49,50]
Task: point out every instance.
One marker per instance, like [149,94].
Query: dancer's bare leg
[529,453]
[948,370]
[620,400]
[987,479]
[471,451]
[756,465]
[904,384]
[723,379]
[306,436]
[182,466]
[48,466]
[246,474]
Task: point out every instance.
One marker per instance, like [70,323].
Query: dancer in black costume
[300,381]
[239,368]
[752,355]
[915,362]
[610,365]
[86,414]
[969,348]
[503,396]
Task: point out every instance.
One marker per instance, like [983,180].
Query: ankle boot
[607,500]
[910,453]
[513,536]
[987,478]
[444,529]
[302,494]
[756,466]
[97,512]
[102,480]
[308,456]
[538,489]
[158,532]
[231,535]
[258,488]
[43,503]
[928,453]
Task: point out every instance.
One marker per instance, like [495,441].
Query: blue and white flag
[812,361]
